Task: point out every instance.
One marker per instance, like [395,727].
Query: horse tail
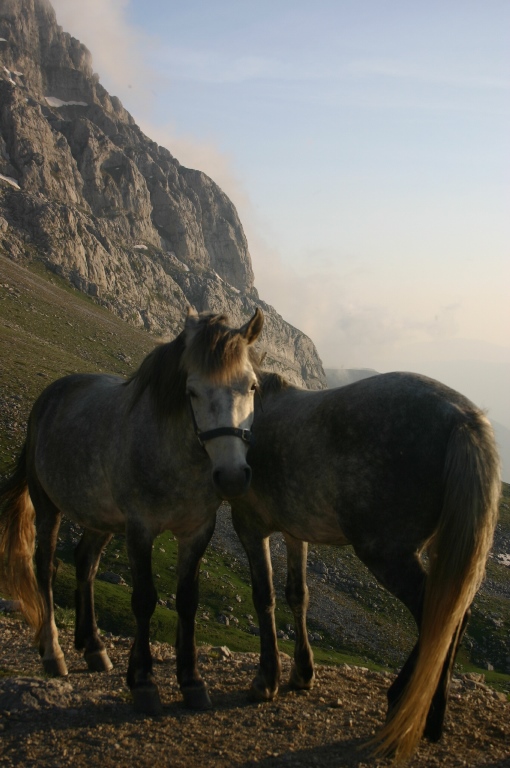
[458,553]
[17,544]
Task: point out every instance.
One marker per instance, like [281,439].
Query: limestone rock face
[83,189]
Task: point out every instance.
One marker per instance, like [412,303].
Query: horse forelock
[215,351]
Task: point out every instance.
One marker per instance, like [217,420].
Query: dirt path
[87,720]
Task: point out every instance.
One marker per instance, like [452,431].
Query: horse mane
[271,383]
[210,348]
[161,373]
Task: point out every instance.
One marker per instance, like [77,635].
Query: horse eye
[191,393]
[254,387]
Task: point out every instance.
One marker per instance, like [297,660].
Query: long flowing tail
[17,544]
[458,553]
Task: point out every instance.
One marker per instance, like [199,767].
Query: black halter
[242,434]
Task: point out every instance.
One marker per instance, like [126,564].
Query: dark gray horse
[121,456]
[395,465]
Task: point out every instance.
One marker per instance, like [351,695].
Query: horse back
[365,458]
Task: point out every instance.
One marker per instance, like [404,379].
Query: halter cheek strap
[243,434]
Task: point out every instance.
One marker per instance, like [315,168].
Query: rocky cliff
[83,189]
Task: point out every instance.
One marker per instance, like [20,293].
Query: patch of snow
[180,263]
[9,75]
[140,247]
[54,102]
[10,181]
[504,560]
[3,40]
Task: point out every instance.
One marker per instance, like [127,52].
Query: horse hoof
[259,692]
[146,700]
[55,667]
[98,661]
[196,697]
[300,683]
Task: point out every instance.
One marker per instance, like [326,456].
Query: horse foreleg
[143,601]
[296,592]
[86,637]
[191,550]
[265,684]
[47,521]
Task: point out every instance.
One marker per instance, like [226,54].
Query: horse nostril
[247,475]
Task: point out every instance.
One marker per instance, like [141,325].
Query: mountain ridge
[105,207]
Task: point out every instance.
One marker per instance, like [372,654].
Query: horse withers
[395,465]
[122,456]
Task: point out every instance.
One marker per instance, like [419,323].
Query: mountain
[85,191]
[339,377]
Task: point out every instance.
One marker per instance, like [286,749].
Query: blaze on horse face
[222,402]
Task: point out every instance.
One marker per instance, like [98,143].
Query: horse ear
[252,329]
[191,317]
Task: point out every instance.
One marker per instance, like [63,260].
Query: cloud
[117,47]
[426,72]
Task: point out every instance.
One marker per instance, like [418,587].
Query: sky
[365,145]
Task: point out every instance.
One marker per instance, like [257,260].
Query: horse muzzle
[232,482]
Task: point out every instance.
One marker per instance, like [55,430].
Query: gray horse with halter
[395,465]
[122,456]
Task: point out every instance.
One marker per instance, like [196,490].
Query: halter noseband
[243,434]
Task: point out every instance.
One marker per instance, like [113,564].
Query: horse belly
[95,511]
[319,529]
[308,519]
[81,493]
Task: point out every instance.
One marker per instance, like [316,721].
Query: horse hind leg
[402,573]
[435,718]
[296,592]
[86,557]
[47,521]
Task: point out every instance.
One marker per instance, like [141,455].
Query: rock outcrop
[84,190]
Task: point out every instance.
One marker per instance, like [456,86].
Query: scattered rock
[112,578]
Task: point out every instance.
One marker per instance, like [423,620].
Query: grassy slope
[48,329]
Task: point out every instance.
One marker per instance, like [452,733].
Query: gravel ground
[87,718]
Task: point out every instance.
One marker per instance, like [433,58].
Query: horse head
[221,382]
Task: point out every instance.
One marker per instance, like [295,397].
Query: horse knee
[264,598]
[297,597]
